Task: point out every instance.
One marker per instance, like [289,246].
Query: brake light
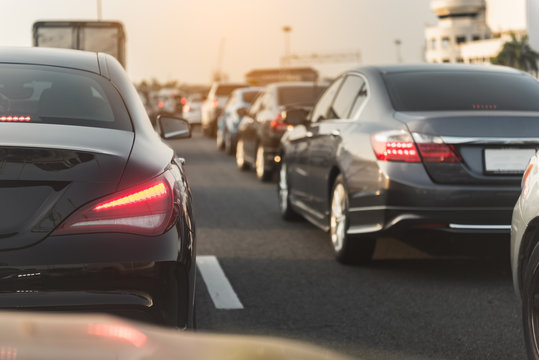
[11,118]
[278,124]
[160,104]
[215,103]
[433,149]
[183,100]
[147,209]
[394,145]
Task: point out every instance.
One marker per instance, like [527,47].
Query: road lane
[406,305]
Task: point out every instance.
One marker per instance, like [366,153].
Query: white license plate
[507,160]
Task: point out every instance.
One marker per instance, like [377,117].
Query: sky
[181,39]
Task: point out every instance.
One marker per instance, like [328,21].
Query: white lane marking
[221,292]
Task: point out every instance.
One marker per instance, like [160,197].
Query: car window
[53,95]
[322,106]
[250,96]
[446,91]
[299,95]
[346,97]
[256,107]
[225,90]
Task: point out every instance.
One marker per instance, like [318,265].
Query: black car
[95,210]
[260,131]
[389,150]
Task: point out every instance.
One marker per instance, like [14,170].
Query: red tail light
[278,124]
[147,209]
[215,103]
[11,118]
[433,149]
[394,145]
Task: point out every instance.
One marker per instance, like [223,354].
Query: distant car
[192,110]
[525,255]
[238,104]
[390,150]
[213,105]
[260,131]
[96,210]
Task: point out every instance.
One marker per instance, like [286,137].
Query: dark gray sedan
[389,150]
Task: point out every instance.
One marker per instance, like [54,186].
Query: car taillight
[146,209]
[278,124]
[215,103]
[433,149]
[14,118]
[394,145]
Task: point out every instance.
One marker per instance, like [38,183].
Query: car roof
[430,67]
[295,84]
[76,59]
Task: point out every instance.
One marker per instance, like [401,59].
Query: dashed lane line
[221,292]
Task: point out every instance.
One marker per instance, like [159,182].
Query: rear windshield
[51,95]
[225,90]
[446,91]
[299,95]
[250,96]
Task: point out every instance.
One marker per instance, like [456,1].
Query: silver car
[525,255]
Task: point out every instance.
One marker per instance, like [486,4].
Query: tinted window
[249,96]
[322,106]
[60,96]
[435,91]
[300,95]
[346,97]
[225,90]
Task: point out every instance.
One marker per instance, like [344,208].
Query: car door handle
[309,134]
[335,133]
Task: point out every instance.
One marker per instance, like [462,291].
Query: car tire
[348,250]
[530,308]
[229,147]
[283,193]
[240,156]
[261,172]
[219,140]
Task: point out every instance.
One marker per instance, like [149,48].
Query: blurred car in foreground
[260,131]
[389,150]
[213,105]
[36,336]
[96,210]
[228,122]
[525,255]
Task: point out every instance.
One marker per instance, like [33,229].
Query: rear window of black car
[466,90]
[250,96]
[53,95]
[299,95]
[225,90]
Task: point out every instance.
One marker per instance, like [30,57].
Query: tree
[517,53]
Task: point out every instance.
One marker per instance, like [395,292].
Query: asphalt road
[408,304]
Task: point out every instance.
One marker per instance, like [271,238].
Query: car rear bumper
[147,279]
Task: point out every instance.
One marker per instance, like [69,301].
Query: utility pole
[218,74]
[99,15]
[398,43]
[286,31]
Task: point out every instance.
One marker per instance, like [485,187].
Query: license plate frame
[510,161]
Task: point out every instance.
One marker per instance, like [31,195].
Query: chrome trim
[489,140]
[361,229]
[480,227]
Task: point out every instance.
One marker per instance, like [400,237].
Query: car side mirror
[242,111]
[295,117]
[170,127]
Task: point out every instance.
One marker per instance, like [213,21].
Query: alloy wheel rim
[240,160]
[260,161]
[533,315]
[283,189]
[338,217]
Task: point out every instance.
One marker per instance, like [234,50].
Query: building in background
[473,31]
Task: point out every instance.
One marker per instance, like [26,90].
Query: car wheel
[348,250]
[283,192]
[229,148]
[261,173]
[219,140]
[240,156]
[530,304]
